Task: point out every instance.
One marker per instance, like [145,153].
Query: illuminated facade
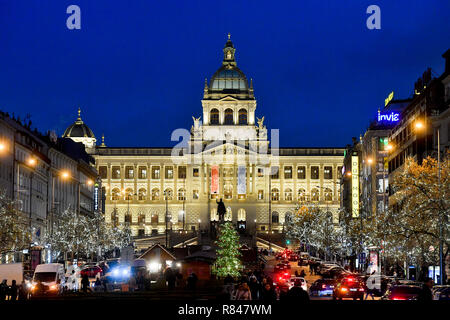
[226,155]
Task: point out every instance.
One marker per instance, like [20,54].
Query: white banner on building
[242,182]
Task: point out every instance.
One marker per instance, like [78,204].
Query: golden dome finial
[229,36]
[103,141]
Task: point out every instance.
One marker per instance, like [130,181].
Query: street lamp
[419,125]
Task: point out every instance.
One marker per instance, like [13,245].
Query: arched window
[168,194]
[275,217]
[242,116]
[315,195]
[228,192]
[129,194]
[141,218]
[127,218]
[181,194]
[275,194]
[288,194]
[228,117]
[328,194]
[214,116]
[142,194]
[241,216]
[115,194]
[155,194]
[228,215]
[301,195]
[155,218]
[214,215]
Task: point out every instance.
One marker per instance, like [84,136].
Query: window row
[302,196]
[228,117]
[128,194]
[129,172]
[301,172]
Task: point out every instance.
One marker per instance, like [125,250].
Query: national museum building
[227,155]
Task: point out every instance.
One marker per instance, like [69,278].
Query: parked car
[402,292]
[93,273]
[441,293]
[322,287]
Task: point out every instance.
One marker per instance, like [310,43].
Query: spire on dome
[103,145]
[228,53]
[79,116]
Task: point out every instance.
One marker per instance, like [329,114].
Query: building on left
[45,175]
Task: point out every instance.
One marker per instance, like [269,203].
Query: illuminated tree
[228,262]
[14,227]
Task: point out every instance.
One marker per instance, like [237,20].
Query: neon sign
[389,98]
[390,117]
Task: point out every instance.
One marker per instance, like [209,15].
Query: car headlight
[53,287]
[115,272]
[125,272]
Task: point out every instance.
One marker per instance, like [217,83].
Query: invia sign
[389,117]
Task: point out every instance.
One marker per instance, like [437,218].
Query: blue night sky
[137,68]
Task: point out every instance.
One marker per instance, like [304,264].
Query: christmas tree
[228,262]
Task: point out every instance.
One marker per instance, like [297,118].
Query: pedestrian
[426,294]
[268,294]
[296,293]
[84,283]
[3,290]
[296,273]
[302,273]
[368,290]
[132,283]
[243,292]
[98,285]
[170,278]
[192,281]
[311,268]
[254,287]
[13,291]
[23,291]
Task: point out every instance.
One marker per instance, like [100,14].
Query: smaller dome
[78,129]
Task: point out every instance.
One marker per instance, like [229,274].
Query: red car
[350,287]
[93,272]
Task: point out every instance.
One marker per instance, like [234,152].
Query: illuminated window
[127,218]
[154,218]
[275,171]
[115,172]
[328,172]
[242,116]
[315,195]
[301,172]
[301,195]
[314,172]
[142,173]
[214,215]
[129,172]
[241,215]
[142,194]
[195,194]
[228,215]
[260,194]
[214,116]
[115,194]
[228,192]
[155,172]
[288,172]
[195,172]
[182,172]
[328,194]
[155,194]
[228,120]
[181,194]
[288,194]
[141,218]
[275,194]
[275,217]
[169,172]
[168,194]
[260,172]
[129,194]
[102,172]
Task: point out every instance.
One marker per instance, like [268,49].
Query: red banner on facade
[214,179]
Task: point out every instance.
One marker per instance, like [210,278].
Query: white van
[51,276]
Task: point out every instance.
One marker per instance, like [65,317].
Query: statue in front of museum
[221,210]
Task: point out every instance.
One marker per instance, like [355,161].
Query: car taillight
[398,298]
[361,289]
[324,286]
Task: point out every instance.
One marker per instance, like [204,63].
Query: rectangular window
[102,171]
[195,172]
[260,172]
[169,172]
[195,194]
[182,172]
[115,172]
[260,194]
[314,172]
[328,172]
[339,172]
[275,171]
[301,173]
[129,172]
[155,172]
[288,172]
[142,172]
